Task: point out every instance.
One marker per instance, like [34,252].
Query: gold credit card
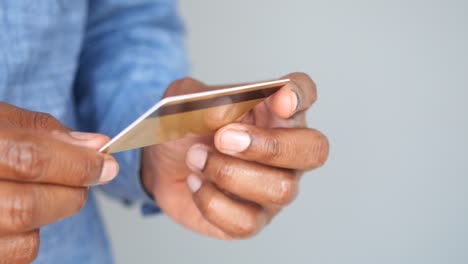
[192,114]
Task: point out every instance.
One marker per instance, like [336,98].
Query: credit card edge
[168,100]
[127,149]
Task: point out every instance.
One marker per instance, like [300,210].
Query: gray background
[393,81]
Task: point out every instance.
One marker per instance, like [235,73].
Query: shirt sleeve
[132,51]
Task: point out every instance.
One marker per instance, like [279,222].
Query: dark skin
[231,188]
[227,188]
[45,171]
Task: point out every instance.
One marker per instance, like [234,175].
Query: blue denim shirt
[95,65]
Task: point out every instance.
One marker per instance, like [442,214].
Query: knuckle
[287,191]
[215,118]
[212,208]
[206,202]
[21,212]
[271,147]
[180,82]
[89,171]
[28,159]
[308,80]
[189,82]
[248,228]
[6,110]
[319,151]
[81,178]
[186,80]
[313,90]
[222,172]
[304,77]
[322,149]
[183,85]
[309,84]
[44,120]
[31,247]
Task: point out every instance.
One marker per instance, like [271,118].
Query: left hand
[231,184]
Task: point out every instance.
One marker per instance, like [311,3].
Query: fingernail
[235,140]
[294,100]
[194,183]
[83,135]
[196,157]
[109,170]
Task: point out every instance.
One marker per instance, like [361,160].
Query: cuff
[128,186]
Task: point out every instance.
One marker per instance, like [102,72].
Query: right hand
[45,171]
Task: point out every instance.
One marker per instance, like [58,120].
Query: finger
[22,118]
[25,207]
[248,180]
[296,96]
[185,86]
[37,158]
[15,117]
[82,139]
[19,248]
[236,218]
[298,149]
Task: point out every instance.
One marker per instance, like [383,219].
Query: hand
[44,173]
[232,184]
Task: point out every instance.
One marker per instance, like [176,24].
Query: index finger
[13,116]
[296,149]
[295,97]
[35,157]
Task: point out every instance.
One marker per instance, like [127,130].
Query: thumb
[82,139]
